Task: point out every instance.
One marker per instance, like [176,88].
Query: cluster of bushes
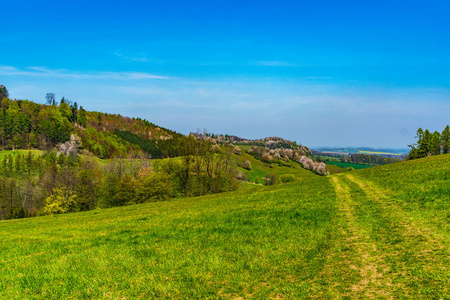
[317,167]
[272,179]
[274,155]
[284,156]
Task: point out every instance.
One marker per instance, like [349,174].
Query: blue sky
[336,73]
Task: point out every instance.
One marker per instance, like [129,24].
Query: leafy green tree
[108,190]
[154,187]
[82,117]
[56,127]
[125,192]
[88,181]
[435,148]
[61,201]
[65,110]
[10,206]
[445,140]
[74,108]
[29,163]
[3,92]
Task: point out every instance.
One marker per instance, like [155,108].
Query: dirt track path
[389,253]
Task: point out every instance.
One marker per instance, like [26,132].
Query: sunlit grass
[381,232]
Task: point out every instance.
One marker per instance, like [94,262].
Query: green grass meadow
[3,153]
[381,232]
[348,165]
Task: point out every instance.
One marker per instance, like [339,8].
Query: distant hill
[268,142]
[28,125]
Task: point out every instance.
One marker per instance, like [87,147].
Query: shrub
[288,178]
[154,187]
[237,150]
[216,148]
[266,157]
[271,179]
[242,176]
[246,165]
[60,202]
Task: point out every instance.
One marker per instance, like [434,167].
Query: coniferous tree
[425,147]
[445,140]
[82,117]
[435,143]
[3,92]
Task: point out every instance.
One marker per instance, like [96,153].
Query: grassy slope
[348,165]
[241,244]
[378,232]
[260,169]
[23,152]
[335,169]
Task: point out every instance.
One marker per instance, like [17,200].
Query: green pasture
[378,153]
[381,232]
[348,165]
[334,169]
[3,153]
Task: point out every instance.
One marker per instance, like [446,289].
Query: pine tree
[445,140]
[82,117]
[436,143]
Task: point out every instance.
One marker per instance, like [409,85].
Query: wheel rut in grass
[363,256]
[410,257]
[411,227]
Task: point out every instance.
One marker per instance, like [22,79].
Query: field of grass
[348,165]
[23,152]
[335,169]
[379,153]
[381,232]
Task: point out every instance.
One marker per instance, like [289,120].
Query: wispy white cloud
[67,74]
[275,63]
[318,77]
[136,58]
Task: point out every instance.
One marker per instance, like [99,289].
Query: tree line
[63,181]
[430,143]
[368,159]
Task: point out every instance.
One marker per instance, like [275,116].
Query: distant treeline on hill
[268,142]
[430,143]
[28,125]
[360,158]
[369,159]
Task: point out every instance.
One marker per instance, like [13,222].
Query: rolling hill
[378,232]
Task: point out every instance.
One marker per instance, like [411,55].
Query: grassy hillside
[374,233]
[260,169]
